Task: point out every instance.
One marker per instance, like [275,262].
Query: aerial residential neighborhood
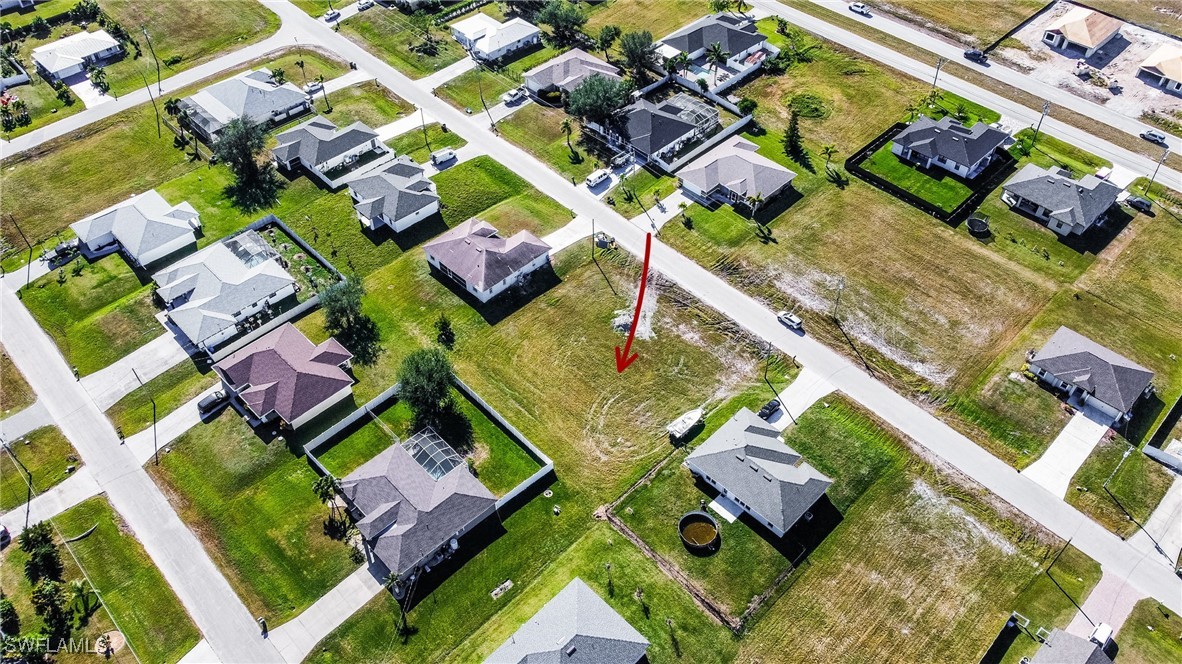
[591,331]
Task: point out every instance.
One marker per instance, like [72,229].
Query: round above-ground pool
[699,532]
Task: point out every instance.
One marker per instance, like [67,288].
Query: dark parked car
[975,55]
[770,408]
[1138,203]
[211,402]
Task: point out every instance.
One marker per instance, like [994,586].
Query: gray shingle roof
[1063,648]
[1076,202]
[747,457]
[474,252]
[286,373]
[207,288]
[568,70]
[399,190]
[950,139]
[251,94]
[733,33]
[575,627]
[72,51]
[141,224]
[1107,375]
[652,127]
[319,140]
[736,165]
[409,514]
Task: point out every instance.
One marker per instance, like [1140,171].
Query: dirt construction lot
[1112,75]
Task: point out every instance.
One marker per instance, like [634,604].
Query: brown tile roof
[286,373]
[474,252]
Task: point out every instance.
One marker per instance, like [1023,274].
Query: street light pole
[29,264]
[159,87]
[155,448]
[1153,177]
[837,302]
[1046,108]
[940,62]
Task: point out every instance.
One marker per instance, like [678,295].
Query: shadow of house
[510,301]
[1109,52]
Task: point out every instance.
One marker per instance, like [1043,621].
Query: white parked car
[314,86]
[860,8]
[363,5]
[598,177]
[790,319]
[443,156]
[331,15]
[1154,136]
[513,96]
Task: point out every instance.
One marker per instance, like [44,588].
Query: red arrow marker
[623,359]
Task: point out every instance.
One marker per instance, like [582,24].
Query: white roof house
[211,291]
[736,173]
[567,71]
[70,55]
[145,227]
[252,94]
[489,39]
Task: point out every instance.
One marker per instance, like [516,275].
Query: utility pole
[159,87]
[480,88]
[155,449]
[1165,153]
[29,494]
[840,288]
[148,87]
[423,124]
[940,62]
[767,361]
[1046,108]
[29,265]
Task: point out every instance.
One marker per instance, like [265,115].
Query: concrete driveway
[1055,468]
[87,93]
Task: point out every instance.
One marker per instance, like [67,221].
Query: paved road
[1144,570]
[1137,163]
[1011,77]
[209,599]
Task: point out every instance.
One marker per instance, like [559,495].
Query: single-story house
[145,228]
[736,35]
[284,377]
[654,131]
[252,94]
[948,144]
[71,55]
[565,72]
[1092,374]
[1068,206]
[399,196]
[1083,28]
[414,501]
[575,627]
[1165,65]
[746,461]
[1063,648]
[209,293]
[489,39]
[484,263]
[734,172]
[320,146]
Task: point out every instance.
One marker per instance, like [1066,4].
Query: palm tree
[326,488]
[392,583]
[172,106]
[828,151]
[755,201]
[719,6]
[567,128]
[741,7]
[303,74]
[677,64]
[182,119]
[716,56]
[79,592]
[279,75]
[912,109]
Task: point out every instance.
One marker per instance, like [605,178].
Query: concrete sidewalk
[109,385]
[1163,528]
[296,638]
[23,421]
[59,498]
[1055,468]
[168,428]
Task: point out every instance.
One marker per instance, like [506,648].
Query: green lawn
[1043,602]
[537,129]
[419,147]
[98,316]
[42,102]
[1050,152]
[464,91]
[387,33]
[369,102]
[171,389]
[16,394]
[314,8]
[660,17]
[132,589]
[1139,485]
[1141,645]
[934,185]
[43,455]
[483,187]
[645,187]
[499,462]
[44,9]
[252,505]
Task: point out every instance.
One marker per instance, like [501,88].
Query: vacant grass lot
[129,587]
[252,505]
[537,129]
[171,389]
[16,394]
[465,90]
[1139,485]
[419,147]
[46,9]
[368,102]
[142,603]
[920,566]
[33,180]
[499,462]
[98,316]
[41,456]
[1140,645]
[660,17]
[387,33]
[934,185]
[975,22]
